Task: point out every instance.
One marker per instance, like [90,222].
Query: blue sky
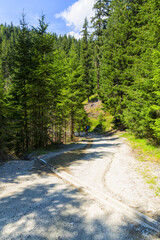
[63,16]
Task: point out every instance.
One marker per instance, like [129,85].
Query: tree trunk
[72,127]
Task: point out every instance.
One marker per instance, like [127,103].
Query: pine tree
[40,82]
[118,57]
[74,90]
[1,109]
[146,67]
[86,59]
[58,111]
[21,71]
[99,23]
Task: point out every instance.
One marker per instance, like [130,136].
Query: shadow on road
[68,158]
[52,210]
[64,159]
[104,139]
[48,209]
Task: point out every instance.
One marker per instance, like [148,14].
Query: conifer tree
[40,82]
[1,108]
[86,60]
[99,23]
[74,91]
[58,112]
[21,70]
[144,97]
[118,57]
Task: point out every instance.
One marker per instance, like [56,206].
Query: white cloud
[74,15]
[75,34]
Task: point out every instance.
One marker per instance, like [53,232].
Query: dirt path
[110,167]
[35,204]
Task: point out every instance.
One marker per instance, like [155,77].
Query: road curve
[36,204]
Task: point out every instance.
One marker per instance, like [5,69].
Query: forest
[45,78]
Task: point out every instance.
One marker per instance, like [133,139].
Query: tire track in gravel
[104,181]
[94,164]
[104,176]
[126,184]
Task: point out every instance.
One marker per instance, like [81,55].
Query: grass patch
[158,191]
[145,150]
[152,180]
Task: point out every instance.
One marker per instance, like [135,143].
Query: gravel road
[110,166]
[36,204]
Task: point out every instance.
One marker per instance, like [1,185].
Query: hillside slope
[100,121]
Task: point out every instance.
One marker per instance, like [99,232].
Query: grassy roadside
[144,150]
[149,155]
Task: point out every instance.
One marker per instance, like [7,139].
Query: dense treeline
[42,87]
[129,68]
[44,78]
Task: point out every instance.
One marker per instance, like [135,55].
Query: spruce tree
[74,90]
[146,67]
[118,57]
[86,59]
[21,71]
[1,109]
[40,82]
[99,23]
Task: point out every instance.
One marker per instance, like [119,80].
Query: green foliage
[45,78]
[117,59]
[41,87]
[99,23]
[74,89]
[143,92]
[99,119]
[87,61]
[21,71]
[129,79]
[1,108]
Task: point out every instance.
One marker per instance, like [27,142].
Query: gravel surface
[35,204]
[125,179]
[110,166]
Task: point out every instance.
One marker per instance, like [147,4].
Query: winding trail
[108,165]
[35,204]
